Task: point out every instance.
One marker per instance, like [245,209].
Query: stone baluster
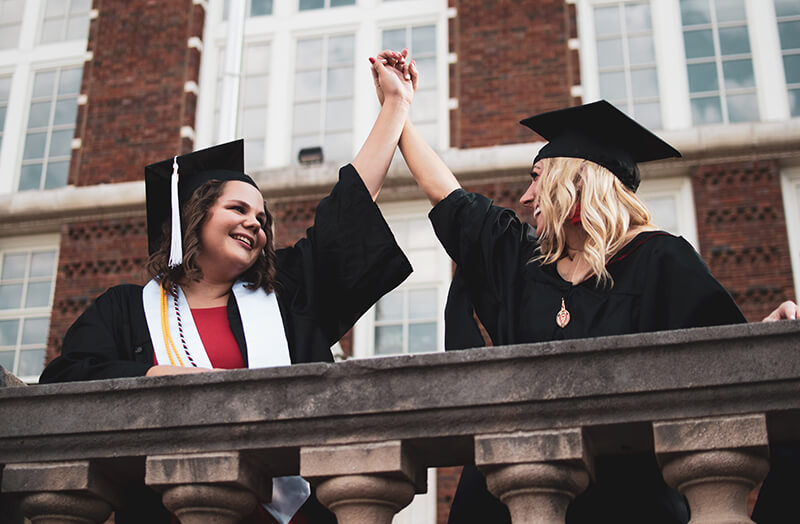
[363,483]
[217,488]
[61,492]
[536,474]
[715,462]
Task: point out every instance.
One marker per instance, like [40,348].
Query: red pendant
[562,318]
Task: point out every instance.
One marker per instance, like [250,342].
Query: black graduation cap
[603,134]
[170,183]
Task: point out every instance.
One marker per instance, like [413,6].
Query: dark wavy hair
[193,215]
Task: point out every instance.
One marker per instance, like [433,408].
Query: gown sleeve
[680,291]
[490,246]
[106,341]
[347,261]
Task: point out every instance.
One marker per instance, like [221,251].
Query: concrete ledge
[710,433]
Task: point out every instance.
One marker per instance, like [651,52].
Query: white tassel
[176,242]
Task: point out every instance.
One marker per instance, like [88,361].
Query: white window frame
[790,182]
[679,188]
[284,27]
[26,244]
[771,93]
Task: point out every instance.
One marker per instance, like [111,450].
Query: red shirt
[217,337]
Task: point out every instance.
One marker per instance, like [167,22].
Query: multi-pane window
[252,8]
[5,93]
[323,96]
[64,20]
[26,291]
[10,22]
[253,96]
[626,60]
[719,62]
[788,15]
[51,125]
[671,205]
[305,5]
[421,44]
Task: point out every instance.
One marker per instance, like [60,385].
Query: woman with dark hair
[221,296]
[591,264]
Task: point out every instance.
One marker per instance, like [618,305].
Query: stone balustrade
[708,402]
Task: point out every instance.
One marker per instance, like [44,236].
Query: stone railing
[533,417]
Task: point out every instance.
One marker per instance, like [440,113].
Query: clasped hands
[394,75]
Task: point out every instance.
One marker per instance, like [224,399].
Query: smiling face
[232,234]
[529,198]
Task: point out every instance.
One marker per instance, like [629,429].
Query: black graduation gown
[660,283]
[325,282]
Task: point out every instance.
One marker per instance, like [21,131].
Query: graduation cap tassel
[176,242]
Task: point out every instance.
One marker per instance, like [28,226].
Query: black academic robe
[325,282]
[659,283]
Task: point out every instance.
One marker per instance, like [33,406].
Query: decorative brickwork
[742,232]
[291,219]
[513,61]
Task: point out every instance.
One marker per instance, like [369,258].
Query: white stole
[266,347]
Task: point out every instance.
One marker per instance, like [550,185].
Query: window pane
[787,7]
[424,107]
[427,72]
[7,360]
[38,294]
[55,8]
[648,114]
[307,85]
[337,3]
[5,88]
[730,10]
[78,27]
[338,146]
[702,77]
[42,264]
[390,307]
[388,340]
[66,112]
[790,34]
[30,177]
[637,17]
[9,37]
[699,44]
[341,50]
[31,362]
[706,110]
[794,101]
[256,59]
[254,153]
[311,4]
[422,337]
[422,303]
[612,86]
[255,90]
[309,53]
[738,74]
[742,108]
[260,7]
[664,212]
[43,84]
[52,31]
[644,83]
[695,12]
[641,50]
[253,121]
[609,53]
[14,266]
[339,115]
[734,40]
[34,146]
[57,175]
[340,81]
[69,83]
[394,39]
[606,21]
[79,6]
[39,115]
[34,330]
[423,39]
[10,296]
[306,118]
[11,10]
[61,143]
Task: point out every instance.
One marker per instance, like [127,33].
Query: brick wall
[742,232]
[513,61]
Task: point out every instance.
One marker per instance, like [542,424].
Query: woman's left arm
[372,161]
[786,311]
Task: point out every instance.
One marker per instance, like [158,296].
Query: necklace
[563,317]
[165,329]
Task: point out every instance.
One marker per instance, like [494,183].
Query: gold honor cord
[165,331]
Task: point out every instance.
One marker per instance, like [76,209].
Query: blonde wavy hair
[608,211]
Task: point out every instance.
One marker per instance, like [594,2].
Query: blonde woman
[591,264]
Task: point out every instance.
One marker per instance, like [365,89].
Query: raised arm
[433,176]
[372,161]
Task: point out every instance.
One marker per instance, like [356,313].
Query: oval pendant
[562,318]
